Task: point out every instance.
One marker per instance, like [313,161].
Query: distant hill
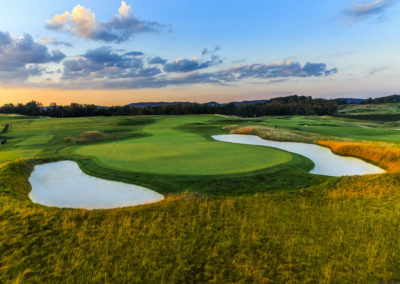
[384,100]
[245,103]
[381,100]
[350,100]
[155,104]
[159,104]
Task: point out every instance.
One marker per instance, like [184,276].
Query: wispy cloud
[81,21]
[50,41]
[364,10]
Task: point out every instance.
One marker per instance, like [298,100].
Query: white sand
[326,162]
[64,185]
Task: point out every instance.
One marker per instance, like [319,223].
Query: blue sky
[197,50]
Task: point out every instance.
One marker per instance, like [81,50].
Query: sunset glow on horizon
[121,52]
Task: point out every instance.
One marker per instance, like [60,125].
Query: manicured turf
[50,139]
[11,155]
[336,127]
[173,151]
[35,140]
[355,109]
[277,224]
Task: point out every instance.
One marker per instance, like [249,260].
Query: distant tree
[33,108]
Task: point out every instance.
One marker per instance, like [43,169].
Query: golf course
[216,210]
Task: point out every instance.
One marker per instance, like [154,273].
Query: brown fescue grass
[256,239]
[386,155]
[318,235]
[270,133]
[386,186]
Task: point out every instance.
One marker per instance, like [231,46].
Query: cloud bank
[107,68]
[21,57]
[278,70]
[188,65]
[82,22]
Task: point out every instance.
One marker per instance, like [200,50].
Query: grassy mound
[270,133]
[87,136]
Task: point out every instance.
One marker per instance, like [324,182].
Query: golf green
[170,150]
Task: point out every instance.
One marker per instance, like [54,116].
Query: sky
[118,52]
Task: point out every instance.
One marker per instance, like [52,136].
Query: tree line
[383,100]
[293,105]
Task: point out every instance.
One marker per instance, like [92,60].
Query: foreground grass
[315,235]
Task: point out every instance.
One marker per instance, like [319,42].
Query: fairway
[327,126]
[169,150]
[227,206]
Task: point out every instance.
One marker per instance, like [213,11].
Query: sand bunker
[64,185]
[326,162]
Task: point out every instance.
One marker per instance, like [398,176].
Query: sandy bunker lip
[63,184]
[326,162]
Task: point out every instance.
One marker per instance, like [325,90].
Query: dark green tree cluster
[293,105]
[383,100]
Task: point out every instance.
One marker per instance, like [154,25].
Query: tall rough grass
[318,235]
[270,133]
[384,154]
[383,187]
